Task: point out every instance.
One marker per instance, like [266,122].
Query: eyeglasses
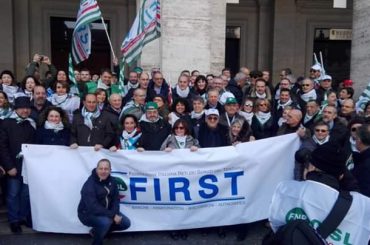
[250,105]
[212,118]
[306,85]
[321,130]
[262,105]
[312,70]
[179,127]
[353,129]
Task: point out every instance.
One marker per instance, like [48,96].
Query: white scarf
[352,141]
[320,142]
[128,140]
[281,121]
[280,105]
[195,115]
[311,95]
[88,116]
[181,141]
[5,113]
[145,119]
[182,93]
[261,96]
[10,92]
[308,117]
[58,100]
[263,117]
[247,115]
[54,126]
[102,85]
[19,119]
[28,94]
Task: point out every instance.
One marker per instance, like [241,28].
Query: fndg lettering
[337,235]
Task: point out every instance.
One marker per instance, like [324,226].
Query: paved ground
[30,237]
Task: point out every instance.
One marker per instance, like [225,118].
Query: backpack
[301,232]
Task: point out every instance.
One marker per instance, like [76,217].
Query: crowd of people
[149,113]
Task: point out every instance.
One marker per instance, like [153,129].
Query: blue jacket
[49,137]
[96,199]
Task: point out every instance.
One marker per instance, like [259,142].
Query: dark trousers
[102,225]
[18,200]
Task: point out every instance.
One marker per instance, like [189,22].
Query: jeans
[102,225]
[18,200]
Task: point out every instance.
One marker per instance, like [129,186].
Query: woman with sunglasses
[263,125]
[247,110]
[180,138]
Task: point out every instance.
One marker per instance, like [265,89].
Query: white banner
[160,190]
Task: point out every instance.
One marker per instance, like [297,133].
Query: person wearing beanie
[154,129]
[313,198]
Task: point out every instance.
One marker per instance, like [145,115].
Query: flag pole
[106,32]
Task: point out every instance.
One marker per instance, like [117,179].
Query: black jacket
[235,90]
[212,137]
[96,200]
[101,133]
[361,170]
[12,136]
[268,129]
[153,134]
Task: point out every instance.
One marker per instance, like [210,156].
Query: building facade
[205,35]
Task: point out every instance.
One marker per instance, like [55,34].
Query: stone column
[360,54]
[193,37]
[7,37]
[265,32]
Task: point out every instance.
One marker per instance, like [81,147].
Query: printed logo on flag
[295,214]
[119,177]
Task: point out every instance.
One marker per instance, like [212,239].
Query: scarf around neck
[247,115]
[263,117]
[89,116]
[19,119]
[128,140]
[10,92]
[261,96]
[195,115]
[5,113]
[283,105]
[59,99]
[311,95]
[182,93]
[181,141]
[320,142]
[54,126]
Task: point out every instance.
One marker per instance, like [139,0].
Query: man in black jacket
[361,159]
[154,129]
[99,205]
[90,127]
[16,130]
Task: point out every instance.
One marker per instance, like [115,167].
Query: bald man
[292,124]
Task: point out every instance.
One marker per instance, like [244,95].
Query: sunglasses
[212,118]
[321,130]
[179,128]
[312,70]
[250,105]
[353,129]
[306,85]
[262,105]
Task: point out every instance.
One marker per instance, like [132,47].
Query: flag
[71,76]
[81,39]
[363,99]
[146,28]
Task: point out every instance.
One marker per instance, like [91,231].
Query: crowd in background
[148,113]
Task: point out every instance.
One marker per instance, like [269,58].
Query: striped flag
[363,99]
[71,76]
[146,28]
[81,40]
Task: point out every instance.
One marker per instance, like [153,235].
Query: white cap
[212,112]
[325,77]
[316,67]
